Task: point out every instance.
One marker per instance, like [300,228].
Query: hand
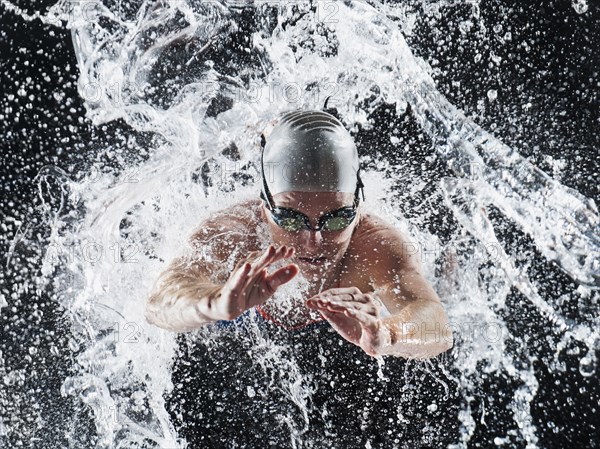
[354,315]
[250,284]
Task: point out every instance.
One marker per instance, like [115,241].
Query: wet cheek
[337,243]
[281,237]
[339,238]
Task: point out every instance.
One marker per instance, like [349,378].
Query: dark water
[355,403]
[546,103]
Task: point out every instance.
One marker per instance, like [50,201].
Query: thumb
[281,276]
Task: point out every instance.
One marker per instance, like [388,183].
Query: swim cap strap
[265,195]
[359,186]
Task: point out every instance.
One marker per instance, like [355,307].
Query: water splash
[580,6]
[123,225]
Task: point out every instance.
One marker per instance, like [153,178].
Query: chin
[317,266]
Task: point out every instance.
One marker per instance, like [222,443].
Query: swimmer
[362,278]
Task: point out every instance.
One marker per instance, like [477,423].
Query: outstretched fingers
[280,277]
[340,303]
[344,293]
[251,272]
[332,306]
[366,320]
[270,256]
[239,279]
[259,262]
[256,292]
[246,268]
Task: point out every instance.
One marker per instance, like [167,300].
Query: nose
[312,238]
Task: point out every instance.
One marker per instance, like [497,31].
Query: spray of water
[113,231]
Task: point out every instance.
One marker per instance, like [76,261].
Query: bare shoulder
[380,244]
[229,229]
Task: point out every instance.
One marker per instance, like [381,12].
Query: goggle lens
[337,223]
[294,221]
[290,224]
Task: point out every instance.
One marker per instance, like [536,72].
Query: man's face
[316,251]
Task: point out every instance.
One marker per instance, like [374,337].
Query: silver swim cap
[310,151]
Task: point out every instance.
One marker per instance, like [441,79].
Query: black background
[547,83]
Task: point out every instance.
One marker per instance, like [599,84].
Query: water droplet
[580,6]
[587,366]
[492,94]
[501,441]
[73,345]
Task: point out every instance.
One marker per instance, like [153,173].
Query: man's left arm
[417,324]
[401,316]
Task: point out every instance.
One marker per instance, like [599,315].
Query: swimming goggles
[293,221]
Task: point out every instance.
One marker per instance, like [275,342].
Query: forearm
[419,330]
[181,302]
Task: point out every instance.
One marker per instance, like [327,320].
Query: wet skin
[380,283]
[365,280]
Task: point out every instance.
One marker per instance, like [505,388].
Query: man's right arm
[184,295]
[181,297]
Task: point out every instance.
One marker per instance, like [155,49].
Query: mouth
[315,261]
